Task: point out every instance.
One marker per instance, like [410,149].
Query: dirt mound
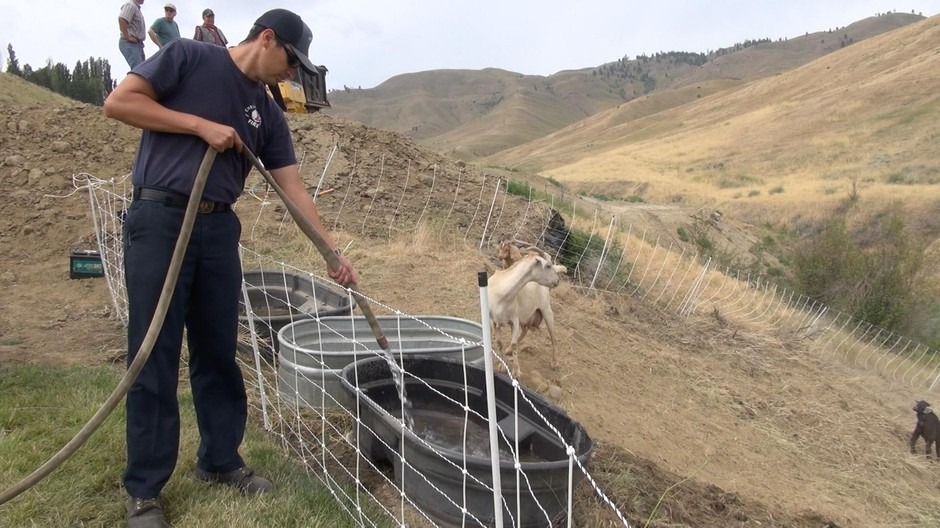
[46,316]
[698,423]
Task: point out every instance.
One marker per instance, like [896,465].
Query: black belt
[173,199]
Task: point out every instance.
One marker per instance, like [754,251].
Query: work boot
[243,479]
[145,513]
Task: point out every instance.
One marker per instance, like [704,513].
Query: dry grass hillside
[472,114]
[782,150]
[16,91]
[431,106]
[699,422]
[782,55]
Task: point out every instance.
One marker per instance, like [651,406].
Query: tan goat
[508,253]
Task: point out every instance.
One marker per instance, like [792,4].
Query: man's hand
[220,137]
[345,274]
[154,37]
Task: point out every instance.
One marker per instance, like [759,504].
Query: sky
[365,42]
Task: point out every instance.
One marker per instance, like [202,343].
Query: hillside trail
[728,425]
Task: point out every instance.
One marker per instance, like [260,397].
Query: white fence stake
[491,400]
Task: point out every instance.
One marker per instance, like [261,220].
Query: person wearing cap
[133,32]
[189,97]
[208,31]
[164,29]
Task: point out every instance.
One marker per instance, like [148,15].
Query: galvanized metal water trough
[313,352]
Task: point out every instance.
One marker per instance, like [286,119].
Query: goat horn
[540,251]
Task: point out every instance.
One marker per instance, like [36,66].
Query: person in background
[208,32]
[164,29]
[187,98]
[133,32]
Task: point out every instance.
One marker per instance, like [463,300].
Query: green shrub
[519,188]
[586,250]
[602,197]
[898,178]
[683,234]
[705,244]
[735,181]
[876,283]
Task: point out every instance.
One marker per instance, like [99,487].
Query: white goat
[519,296]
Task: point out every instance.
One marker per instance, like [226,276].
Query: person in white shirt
[133,32]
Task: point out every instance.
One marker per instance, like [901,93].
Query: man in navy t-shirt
[186,98]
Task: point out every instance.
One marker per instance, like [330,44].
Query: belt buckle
[205,206]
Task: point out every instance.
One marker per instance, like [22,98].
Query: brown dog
[928,426]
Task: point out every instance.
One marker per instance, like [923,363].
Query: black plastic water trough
[433,387]
[278,298]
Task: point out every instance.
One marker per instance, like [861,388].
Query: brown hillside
[698,422]
[781,55]
[473,114]
[430,106]
[864,116]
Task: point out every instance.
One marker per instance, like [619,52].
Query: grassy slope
[43,406]
[17,91]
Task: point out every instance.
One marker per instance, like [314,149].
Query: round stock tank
[313,352]
[446,438]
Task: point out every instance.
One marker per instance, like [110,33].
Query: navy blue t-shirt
[202,79]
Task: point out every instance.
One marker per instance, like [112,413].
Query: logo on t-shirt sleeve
[252,116]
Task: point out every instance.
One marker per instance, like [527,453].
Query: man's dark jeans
[206,303]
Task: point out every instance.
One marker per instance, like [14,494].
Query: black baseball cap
[291,30]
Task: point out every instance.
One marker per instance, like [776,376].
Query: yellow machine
[305,93]
[294,98]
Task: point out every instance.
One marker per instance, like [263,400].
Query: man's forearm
[124,32]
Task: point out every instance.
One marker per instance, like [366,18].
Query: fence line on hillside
[663,277]
[603,255]
[317,431]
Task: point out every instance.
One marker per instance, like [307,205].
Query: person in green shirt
[164,30]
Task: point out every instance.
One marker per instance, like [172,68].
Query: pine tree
[13,64]
[88,81]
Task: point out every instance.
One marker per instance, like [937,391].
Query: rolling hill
[781,137]
[866,116]
[472,114]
